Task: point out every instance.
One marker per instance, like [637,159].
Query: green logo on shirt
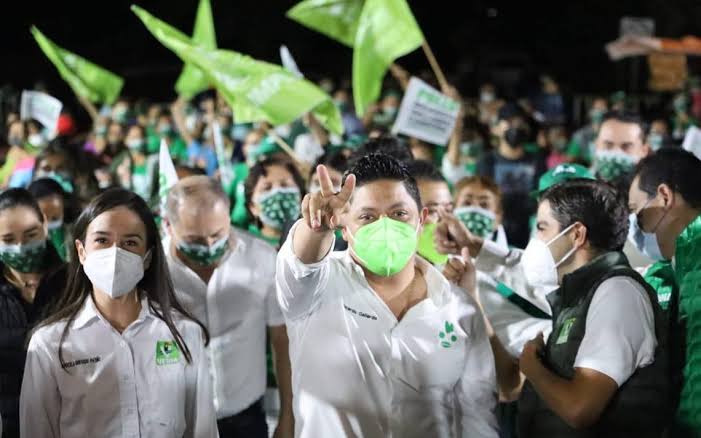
[167,352]
[447,335]
[565,331]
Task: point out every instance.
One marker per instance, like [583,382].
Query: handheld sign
[40,106]
[426,114]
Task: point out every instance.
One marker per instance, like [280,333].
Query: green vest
[687,269]
[641,406]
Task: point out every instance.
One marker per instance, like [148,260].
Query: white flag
[289,62]
[226,173]
[43,108]
[692,141]
[167,177]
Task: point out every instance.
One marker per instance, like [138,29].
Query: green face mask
[479,221]
[203,254]
[385,246]
[26,257]
[279,206]
[612,165]
[427,246]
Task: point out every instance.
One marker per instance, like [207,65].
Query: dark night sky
[524,38]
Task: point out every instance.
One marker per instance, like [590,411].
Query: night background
[511,43]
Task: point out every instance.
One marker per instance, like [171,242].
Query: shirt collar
[88,313]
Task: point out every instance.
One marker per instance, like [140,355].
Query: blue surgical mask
[646,243]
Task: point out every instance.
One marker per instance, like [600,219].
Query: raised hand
[322,210]
[452,235]
[461,271]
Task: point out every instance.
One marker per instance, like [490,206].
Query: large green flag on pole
[386,31]
[255,90]
[85,78]
[380,31]
[192,80]
[337,19]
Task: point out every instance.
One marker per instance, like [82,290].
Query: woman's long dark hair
[156,284]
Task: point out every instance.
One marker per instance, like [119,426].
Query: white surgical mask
[114,270]
[55,225]
[646,243]
[539,266]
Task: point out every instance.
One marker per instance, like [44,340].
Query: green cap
[267,147]
[560,173]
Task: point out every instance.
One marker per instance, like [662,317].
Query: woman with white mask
[121,357]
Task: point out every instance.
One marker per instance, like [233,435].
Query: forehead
[432,189]
[120,221]
[620,132]
[635,195]
[14,217]
[476,190]
[191,213]
[545,213]
[276,172]
[381,195]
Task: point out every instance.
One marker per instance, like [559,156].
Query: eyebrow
[31,230]
[105,233]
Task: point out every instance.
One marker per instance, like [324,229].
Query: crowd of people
[531,278]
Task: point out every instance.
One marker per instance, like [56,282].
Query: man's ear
[580,235]
[666,194]
[81,251]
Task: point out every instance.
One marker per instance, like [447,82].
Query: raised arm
[177,109]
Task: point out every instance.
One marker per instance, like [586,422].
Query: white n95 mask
[539,266]
[113,270]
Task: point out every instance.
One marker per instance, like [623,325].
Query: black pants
[249,423]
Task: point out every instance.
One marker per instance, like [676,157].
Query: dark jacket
[17,318]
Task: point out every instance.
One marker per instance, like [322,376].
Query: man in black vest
[603,371]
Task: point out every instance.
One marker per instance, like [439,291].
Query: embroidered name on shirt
[167,352]
[447,335]
[362,314]
[74,363]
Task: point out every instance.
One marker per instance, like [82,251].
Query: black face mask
[515,136]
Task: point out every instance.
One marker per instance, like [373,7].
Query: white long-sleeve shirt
[133,384]
[359,372]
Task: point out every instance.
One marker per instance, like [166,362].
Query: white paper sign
[692,141]
[40,106]
[289,62]
[426,114]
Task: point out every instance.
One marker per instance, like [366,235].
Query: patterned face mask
[479,221]
[204,255]
[612,165]
[279,206]
[25,257]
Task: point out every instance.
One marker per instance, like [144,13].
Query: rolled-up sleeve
[200,417]
[476,392]
[40,401]
[299,285]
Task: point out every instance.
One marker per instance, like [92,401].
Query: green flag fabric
[387,30]
[192,80]
[255,90]
[380,31]
[337,19]
[85,78]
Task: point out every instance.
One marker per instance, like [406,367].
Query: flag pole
[434,65]
[287,148]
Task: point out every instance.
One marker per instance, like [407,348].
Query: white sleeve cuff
[491,256]
[298,268]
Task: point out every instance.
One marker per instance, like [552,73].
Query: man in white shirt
[225,278]
[381,344]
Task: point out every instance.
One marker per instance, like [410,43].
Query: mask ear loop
[570,252]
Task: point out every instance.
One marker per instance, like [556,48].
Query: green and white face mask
[610,165]
[385,246]
[24,257]
[204,255]
[478,220]
[278,206]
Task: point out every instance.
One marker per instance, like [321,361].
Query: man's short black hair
[421,169]
[509,111]
[595,204]
[679,169]
[375,167]
[386,144]
[626,117]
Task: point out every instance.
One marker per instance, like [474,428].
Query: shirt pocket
[433,363]
[165,416]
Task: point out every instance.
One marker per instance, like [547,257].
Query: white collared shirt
[237,306]
[116,385]
[358,372]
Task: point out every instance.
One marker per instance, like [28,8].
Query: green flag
[337,19]
[255,90]
[85,78]
[387,31]
[192,80]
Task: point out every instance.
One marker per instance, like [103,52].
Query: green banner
[337,19]
[193,80]
[85,78]
[255,90]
